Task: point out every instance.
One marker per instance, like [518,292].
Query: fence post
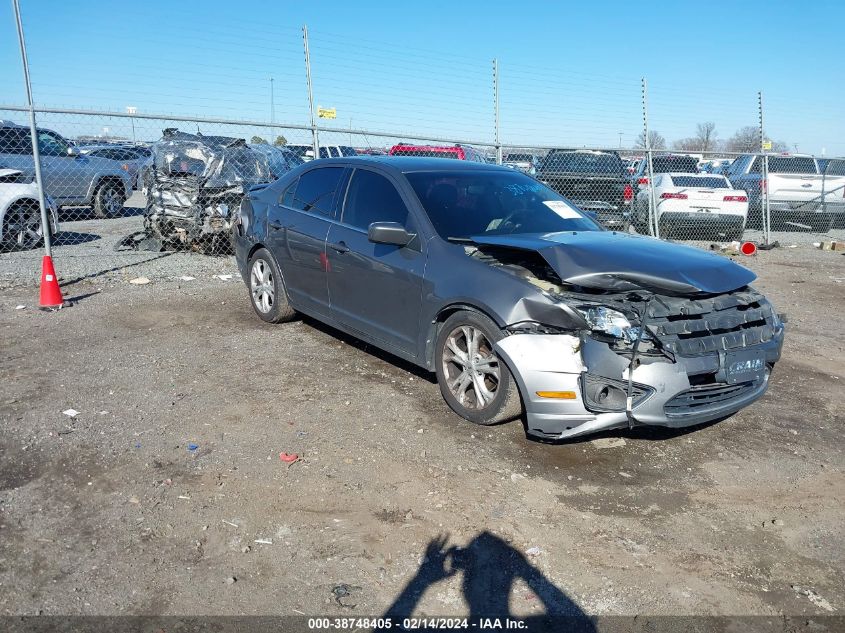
[33,133]
[314,135]
[496,110]
[764,182]
[652,204]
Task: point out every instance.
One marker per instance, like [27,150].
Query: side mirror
[389,233]
[73,151]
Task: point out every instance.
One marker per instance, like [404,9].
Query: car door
[67,178]
[375,289]
[297,228]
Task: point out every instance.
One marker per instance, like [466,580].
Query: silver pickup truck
[70,178]
[800,194]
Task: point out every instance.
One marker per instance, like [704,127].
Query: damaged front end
[642,350]
[194,186]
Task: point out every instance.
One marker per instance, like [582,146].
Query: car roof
[406,164]
[687,174]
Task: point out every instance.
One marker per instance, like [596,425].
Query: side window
[373,198]
[315,190]
[15,140]
[324,152]
[286,199]
[51,145]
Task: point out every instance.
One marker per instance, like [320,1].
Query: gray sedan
[520,303]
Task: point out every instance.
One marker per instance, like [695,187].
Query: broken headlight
[611,322]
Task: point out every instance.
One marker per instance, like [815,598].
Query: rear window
[708,182]
[835,168]
[665,164]
[580,162]
[792,165]
[434,153]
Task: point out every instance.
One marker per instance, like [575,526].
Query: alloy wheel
[471,367]
[261,286]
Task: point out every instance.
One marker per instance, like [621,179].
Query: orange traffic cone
[51,294]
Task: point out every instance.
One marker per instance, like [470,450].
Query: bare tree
[687,145]
[656,140]
[705,136]
[257,140]
[745,139]
[280,141]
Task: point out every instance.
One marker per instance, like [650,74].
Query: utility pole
[496,111]
[314,136]
[33,133]
[764,183]
[653,219]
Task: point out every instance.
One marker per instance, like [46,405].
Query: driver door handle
[275,225]
[340,247]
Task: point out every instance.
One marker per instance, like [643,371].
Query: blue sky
[569,72]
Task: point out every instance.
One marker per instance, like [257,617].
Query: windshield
[464,204]
[699,181]
[583,162]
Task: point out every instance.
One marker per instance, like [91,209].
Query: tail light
[643,180]
[124,167]
[673,196]
[735,199]
[628,193]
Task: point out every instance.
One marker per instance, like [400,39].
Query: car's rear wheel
[267,289]
[108,200]
[475,383]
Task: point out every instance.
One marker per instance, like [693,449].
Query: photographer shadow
[490,568]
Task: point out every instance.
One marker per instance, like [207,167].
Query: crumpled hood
[620,261]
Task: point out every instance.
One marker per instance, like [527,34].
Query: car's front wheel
[267,289]
[475,383]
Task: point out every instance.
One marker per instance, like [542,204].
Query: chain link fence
[119,183]
[172,184]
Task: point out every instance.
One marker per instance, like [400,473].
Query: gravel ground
[166,494]
[85,249]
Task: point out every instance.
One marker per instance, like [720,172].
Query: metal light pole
[314,136]
[272,103]
[33,132]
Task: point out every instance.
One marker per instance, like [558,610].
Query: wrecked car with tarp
[193,184]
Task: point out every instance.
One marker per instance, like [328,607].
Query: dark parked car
[510,294]
[595,181]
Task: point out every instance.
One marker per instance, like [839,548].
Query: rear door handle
[276,225]
[340,247]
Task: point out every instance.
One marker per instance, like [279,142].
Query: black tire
[22,228]
[109,199]
[505,403]
[266,287]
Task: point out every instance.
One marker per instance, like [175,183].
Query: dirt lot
[166,494]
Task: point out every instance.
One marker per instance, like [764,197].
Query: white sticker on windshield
[563,209]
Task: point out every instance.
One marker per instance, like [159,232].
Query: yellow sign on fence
[327,113]
[767,145]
